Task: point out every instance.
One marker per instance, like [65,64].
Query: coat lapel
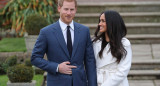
[60,38]
[106,59]
[76,38]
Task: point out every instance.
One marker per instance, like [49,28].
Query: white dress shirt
[64,31]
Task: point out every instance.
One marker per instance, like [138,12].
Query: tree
[15,12]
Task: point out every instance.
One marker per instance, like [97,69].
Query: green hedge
[20,73]
[34,23]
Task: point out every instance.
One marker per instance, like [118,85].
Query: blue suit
[51,42]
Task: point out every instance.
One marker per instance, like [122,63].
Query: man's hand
[65,68]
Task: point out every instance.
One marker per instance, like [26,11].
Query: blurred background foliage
[34,23]
[15,13]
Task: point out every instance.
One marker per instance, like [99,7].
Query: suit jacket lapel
[76,38]
[57,30]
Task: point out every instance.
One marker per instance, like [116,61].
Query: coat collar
[107,57]
[59,35]
[63,25]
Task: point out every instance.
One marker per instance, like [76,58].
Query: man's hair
[60,2]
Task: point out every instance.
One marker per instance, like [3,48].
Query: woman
[112,50]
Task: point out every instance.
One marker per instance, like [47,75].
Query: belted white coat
[109,72]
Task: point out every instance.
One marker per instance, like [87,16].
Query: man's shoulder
[49,27]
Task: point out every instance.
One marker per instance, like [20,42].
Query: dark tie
[69,41]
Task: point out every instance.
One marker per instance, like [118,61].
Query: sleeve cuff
[57,68]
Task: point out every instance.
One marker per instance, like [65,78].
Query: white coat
[109,72]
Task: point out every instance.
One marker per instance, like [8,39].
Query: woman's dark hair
[116,30]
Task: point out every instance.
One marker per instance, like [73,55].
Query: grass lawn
[4,79]
[12,45]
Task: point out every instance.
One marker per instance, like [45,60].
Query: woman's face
[102,24]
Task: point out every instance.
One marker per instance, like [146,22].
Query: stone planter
[30,41]
[33,83]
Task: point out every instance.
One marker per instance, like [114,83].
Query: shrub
[28,62]
[34,23]
[20,73]
[0,22]
[5,67]
[2,69]
[39,71]
[1,17]
[11,61]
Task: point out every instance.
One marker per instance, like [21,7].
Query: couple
[72,61]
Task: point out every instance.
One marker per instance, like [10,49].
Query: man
[69,50]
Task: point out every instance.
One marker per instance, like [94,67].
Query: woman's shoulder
[125,42]
[97,42]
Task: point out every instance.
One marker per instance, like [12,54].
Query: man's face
[67,11]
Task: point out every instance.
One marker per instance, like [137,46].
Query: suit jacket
[51,42]
[109,73]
